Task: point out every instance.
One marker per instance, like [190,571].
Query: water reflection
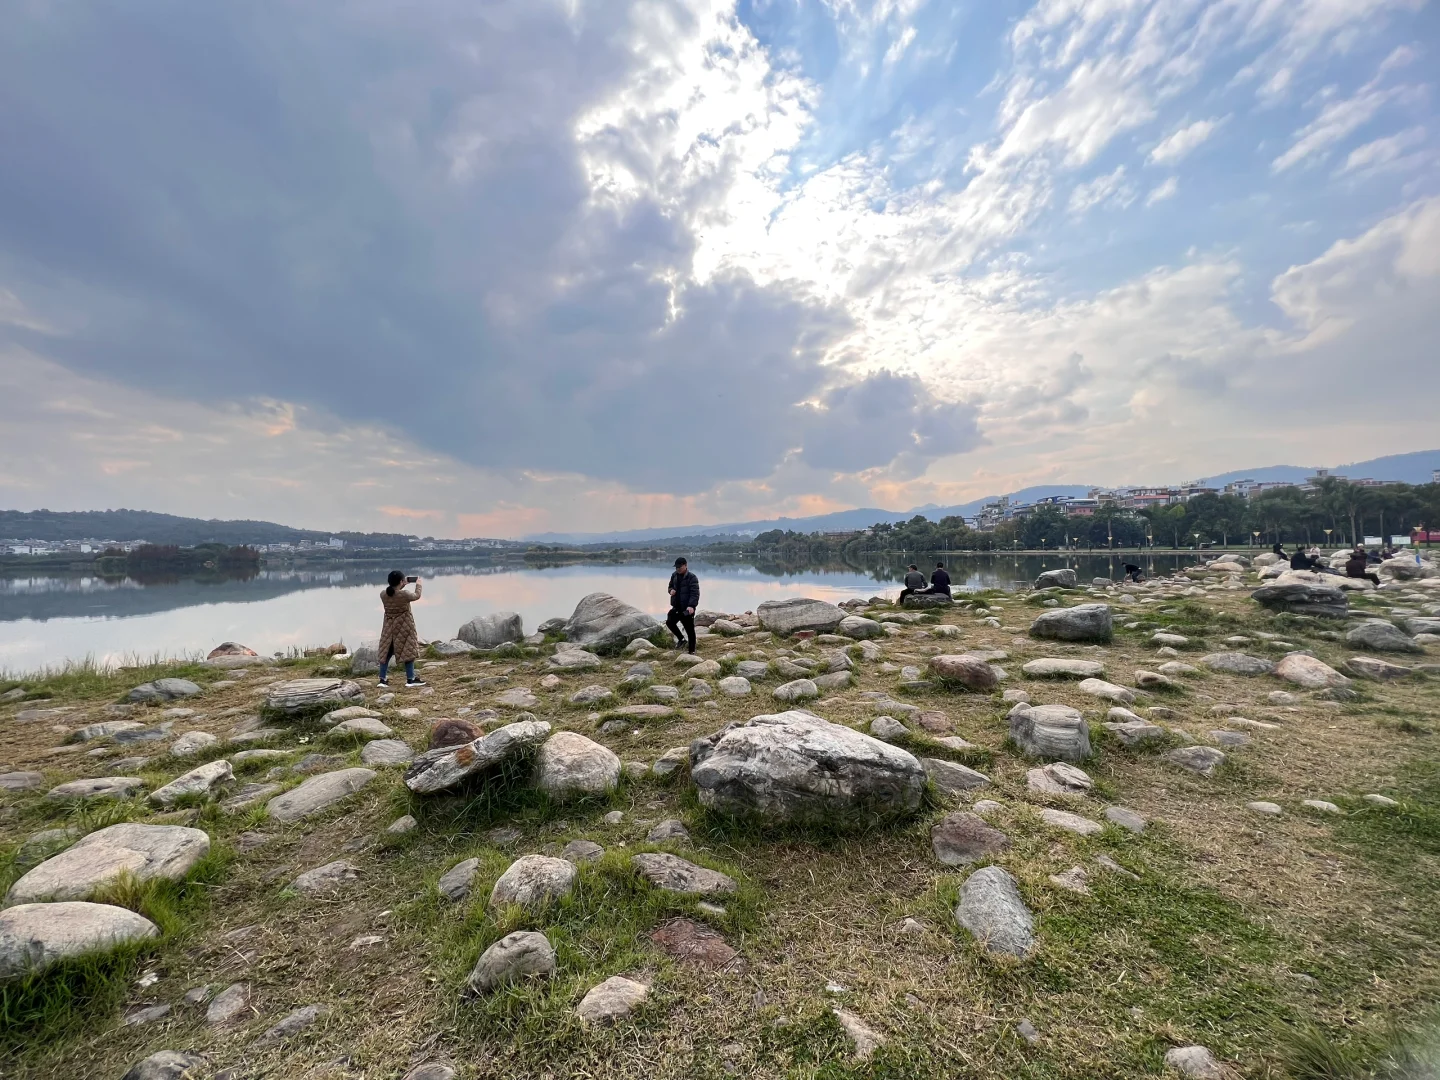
[45,619]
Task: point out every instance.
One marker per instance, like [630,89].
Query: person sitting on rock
[1132,572]
[1358,566]
[684,591]
[1301,561]
[914,582]
[939,580]
[1279,551]
[398,636]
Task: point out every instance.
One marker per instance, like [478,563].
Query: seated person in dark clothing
[914,582]
[1358,566]
[1280,551]
[1132,572]
[1301,561]
[939,580]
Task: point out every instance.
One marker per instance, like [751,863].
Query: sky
[491,268]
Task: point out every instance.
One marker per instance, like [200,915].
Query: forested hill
[56,525]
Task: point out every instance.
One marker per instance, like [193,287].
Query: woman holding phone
[398,637]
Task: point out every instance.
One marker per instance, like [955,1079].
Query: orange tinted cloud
[408,512]
[504,521]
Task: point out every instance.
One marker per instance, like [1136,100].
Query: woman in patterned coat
[398,637]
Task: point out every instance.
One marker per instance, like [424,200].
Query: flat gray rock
[436,770]
[614,999]
[533,881]
[1061,819]
[454,885]
[796,766]
[1084,622]
[382,752]
[591,695]
[1309,673]
[516,957]
[487,631]
[299,695]
[201,780]
[363,727]
[1107,690]
[578,851]
[1196,1062]
[164,690]
[674,874]
[1196,759]
[796,690]
[735,686]
[192,742]
[105,787]
[991,909]
[1050,731]
[888,728]
[35,936]
[1237,663]
[292,1025]
[104,730]
[317,794]
[963,838]
[1126,819]
[1052,667]
[860,628]
[330,878]
[1378,635]
[142,852]
[571,765]
[952,778]
[232,1003]
[786,617]
[1059,778]
[21,781]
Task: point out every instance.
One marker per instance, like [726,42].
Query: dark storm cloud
[382,210]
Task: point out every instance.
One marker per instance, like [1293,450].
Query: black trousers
[685,619]
[904,593]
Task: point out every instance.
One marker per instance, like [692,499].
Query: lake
[46,620]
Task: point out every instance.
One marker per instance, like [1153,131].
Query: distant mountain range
[1416,468]
[54,525]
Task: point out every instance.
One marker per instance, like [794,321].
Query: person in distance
[914,582]
[684,591]
[398,637]
[939,580]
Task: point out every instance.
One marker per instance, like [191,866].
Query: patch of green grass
[1309,1052]
[502,795]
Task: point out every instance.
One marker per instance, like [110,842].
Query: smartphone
[411,580]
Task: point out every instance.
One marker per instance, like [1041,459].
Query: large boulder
[1050,731]
[1057,579]
[785,617]
[1404,568]
[1423,625]
[603,623]
[991,909]
[302,695]
[317,793]
[794,766]
[569,764]
[142,852]
[487,631]
[447,766]
[1377,635]
[1303,598]
[1083,622]
[925,600]
[1309,672]
[860,628]
[35,936]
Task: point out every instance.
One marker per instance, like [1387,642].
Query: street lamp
[1197,541]
[1327,536]
[1254,537]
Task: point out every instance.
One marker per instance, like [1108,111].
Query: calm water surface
[48,620]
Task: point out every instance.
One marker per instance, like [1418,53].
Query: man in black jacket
[684,599]
[939,580]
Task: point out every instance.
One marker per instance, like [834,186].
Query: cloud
[1180,142]
[1384,151]
[1109,189]
[1162,191]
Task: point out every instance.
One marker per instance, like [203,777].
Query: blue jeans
[385,666]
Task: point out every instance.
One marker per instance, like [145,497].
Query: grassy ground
[1306,945]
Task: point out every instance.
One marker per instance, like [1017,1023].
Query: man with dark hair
[684,599]
[914,582]
[939,580]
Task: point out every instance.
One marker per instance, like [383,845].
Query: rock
[1060,819]
[364,727]
[643,712]
[991,909]
[387,752]
[453,647]
[514,958]
[1174,641]
[198,781]
[752,669]
[1057,579]
[1135,732]
[1059,778]
[317,794]
[859,628]
[786,617]
[1084,622]
[1074,880]
[1308,672]
[365,658]
[1303,598]
[1322,806]
[454,884]
[1235,663]
[164,690]
[695,943]
[519,697]
[438,769]
[735,686]
[887,728]
[797,690]
[487,631]
[671,829]
[230,1004]
[1107,690]
[192,742]
[21,781]
[104,787]
[533,881]
[1126,819]
[578,851]
[292,1025]
[964,670]
[1380,636]
[1194,1061]
[1152,680]
[603,623]
[402,825]
[1055,667]
[1429,626]
[300,695]
[142,852]
[330,878]
[431,1070]
[674,874]
[571,765]
[104,730]
[1381,800]
[951,778]
[639,647]
[612,1000]
[865,1039]
[1368,667]
[35,936]
[962,838]
[698,690]
[349,712]
[453,732]
[1173,669]
[167,1065]
[796,766]
[248,796]
[705,669]
[1197,759]
[590,695]
[1050,731]
[928,600]
[675,758]
[726,628]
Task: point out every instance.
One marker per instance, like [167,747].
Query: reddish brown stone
[453,732]
[694,943]
[803,634]
[934,721]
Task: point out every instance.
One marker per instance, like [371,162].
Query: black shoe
[411,684]
[690,651]
[382,682]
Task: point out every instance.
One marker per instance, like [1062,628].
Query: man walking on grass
[684,599]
